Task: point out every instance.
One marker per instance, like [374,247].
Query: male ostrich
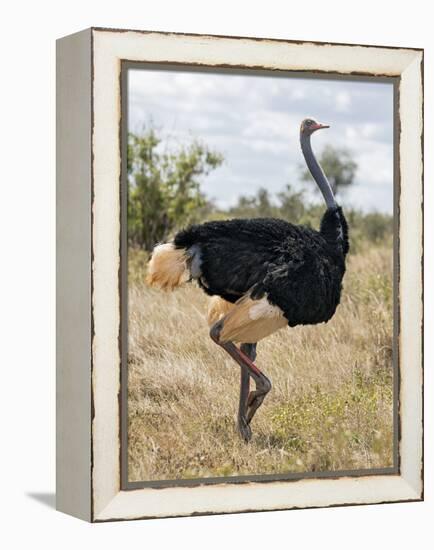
[263,274]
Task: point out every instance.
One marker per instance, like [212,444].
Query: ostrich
[263,274]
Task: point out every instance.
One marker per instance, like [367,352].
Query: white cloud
[343,101]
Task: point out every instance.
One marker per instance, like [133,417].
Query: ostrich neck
[317,172]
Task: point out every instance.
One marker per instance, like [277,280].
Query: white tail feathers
[167,268]
[247,320]
[251,320]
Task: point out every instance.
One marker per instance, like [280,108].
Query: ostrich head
[310,125]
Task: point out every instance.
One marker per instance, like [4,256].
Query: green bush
[164,186]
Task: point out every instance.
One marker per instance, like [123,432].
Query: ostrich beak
[320,126]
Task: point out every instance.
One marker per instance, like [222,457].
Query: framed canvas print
[239,274]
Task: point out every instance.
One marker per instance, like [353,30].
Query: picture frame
[91,274]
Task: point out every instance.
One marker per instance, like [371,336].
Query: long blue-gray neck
[316,171]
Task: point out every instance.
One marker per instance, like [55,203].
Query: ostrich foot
[244,429]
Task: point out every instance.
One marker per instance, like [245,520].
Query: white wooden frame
[88,206]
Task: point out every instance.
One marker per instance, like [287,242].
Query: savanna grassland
[330,408]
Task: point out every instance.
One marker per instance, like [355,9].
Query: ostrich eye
[308,122]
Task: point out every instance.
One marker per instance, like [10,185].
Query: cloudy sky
[254,122]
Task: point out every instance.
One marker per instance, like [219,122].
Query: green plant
[164,186]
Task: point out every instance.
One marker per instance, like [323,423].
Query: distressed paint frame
[107,50]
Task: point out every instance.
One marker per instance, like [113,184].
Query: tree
[291,204]
[287,204]
[164,186]
[254,206]
[339,167]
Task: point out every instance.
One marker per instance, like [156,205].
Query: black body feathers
[299,269]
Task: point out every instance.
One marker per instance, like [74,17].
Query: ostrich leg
[263,385]
[249,401]
[243,425]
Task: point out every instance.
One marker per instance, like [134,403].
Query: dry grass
[331,403]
